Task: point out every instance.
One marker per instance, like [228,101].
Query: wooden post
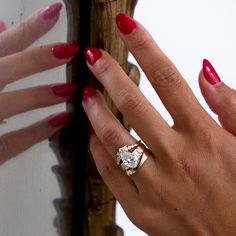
[88,207]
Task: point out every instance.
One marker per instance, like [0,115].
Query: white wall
[186,30]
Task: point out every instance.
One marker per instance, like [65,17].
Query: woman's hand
[187,186]
[17,62]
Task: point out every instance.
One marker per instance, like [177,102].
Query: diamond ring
[131,157]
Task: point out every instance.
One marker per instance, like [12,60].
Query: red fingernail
[210,73]
[65,50]
[92,54]
[51,11]
[125,23]
[64,90]
[59,119]
[89,92]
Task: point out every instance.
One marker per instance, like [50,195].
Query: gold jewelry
[131,157]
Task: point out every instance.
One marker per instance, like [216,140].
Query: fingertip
[50,12]
[125,23]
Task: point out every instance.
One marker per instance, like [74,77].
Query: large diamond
[127,160]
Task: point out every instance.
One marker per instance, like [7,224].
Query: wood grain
[88,207]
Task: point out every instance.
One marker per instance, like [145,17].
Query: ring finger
[23,100]
[113,136]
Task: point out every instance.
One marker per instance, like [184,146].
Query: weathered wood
[88,207]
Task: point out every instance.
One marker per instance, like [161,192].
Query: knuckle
[41,96]
[142,42]
[39,58]
[110,136]
[102,68]
[165,76]
[129,103]
[36,57]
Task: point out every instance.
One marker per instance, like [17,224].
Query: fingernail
[89,92]
[59,119]
[92,54]
[64,90]
[65,50]
[51,11]
[210,73]
[125,23]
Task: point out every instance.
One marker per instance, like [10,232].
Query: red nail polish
[125,23]
[64,90]
[51,11]
[89,92]
[65,50]
[210,73]
[59,119]
[92,54]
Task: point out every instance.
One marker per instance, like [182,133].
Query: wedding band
[131,157]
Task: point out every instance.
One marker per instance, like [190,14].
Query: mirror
[27,182]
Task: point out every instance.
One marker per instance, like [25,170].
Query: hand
[187,186]
[17,62]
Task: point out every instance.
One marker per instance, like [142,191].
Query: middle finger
[169,84]
[15,102]
[28,62]
[130,101]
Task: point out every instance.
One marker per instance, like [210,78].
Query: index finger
[172,89]
[22,35]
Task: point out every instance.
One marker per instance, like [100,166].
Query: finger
[16,102]
[13,143]
[28,62]
[139,113]
[120,185]
[170,86]
[2,26]
[20,36]
[113,135]
[220,98]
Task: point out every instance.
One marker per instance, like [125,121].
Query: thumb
[219,97]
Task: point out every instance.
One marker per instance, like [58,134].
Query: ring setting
[131,157]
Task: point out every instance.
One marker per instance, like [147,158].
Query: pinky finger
[122,187]
[16,142]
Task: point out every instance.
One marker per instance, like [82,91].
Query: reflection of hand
[187,186]
[16,63]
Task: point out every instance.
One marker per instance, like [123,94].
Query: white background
[187,31]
